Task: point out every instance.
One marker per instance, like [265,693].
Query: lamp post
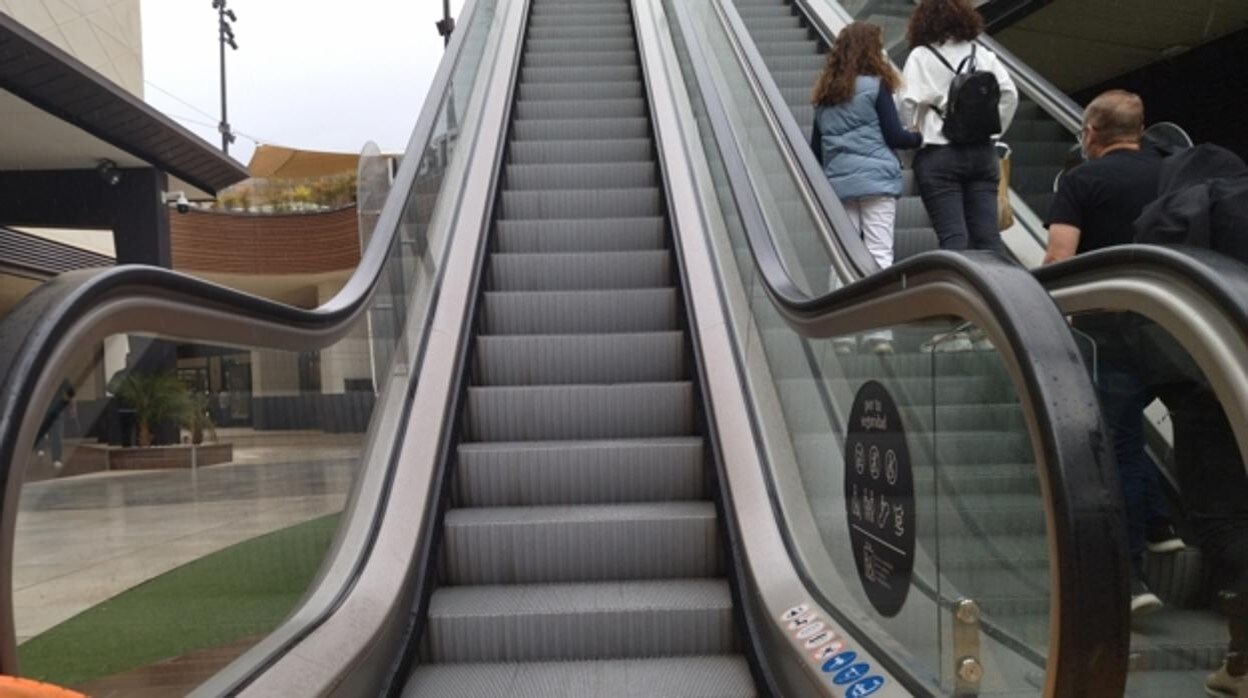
[225,35]
[447,24]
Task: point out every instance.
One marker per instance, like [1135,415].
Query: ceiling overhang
[63,88]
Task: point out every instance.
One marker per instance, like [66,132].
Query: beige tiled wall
[104,34]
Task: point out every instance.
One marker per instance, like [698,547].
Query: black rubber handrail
[31,335]
[1084,503]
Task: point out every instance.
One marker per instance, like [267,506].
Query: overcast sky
[322,75]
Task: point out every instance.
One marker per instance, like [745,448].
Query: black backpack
[972,114]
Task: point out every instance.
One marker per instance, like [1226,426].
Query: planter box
[165,457]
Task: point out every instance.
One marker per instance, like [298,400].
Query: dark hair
[857,50]
[938,21]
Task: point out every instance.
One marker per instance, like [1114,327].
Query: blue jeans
[958,184]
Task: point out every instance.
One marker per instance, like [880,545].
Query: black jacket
[1202,201]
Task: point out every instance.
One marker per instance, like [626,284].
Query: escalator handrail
[32,335]
[1074,466]
[1051,99]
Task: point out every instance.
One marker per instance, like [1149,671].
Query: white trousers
[873,218]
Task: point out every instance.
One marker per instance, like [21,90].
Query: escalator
[611,449]
[580,514]
[1174,651]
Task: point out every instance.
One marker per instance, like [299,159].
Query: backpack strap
[948,65]
[971,60]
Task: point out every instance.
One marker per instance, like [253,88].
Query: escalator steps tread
[599,620]
[727,676]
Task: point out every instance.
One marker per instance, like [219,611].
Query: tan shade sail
[292,163]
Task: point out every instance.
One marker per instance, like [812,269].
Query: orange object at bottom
[13,687]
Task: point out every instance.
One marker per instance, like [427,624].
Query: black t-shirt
[1103,197]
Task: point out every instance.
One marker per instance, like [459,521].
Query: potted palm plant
[155,398]
[198,418]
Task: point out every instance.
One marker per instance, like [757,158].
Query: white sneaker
[980,341]
[879,346]
[57,465]
[947,342]
[845,345]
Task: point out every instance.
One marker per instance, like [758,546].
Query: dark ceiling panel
[59,84]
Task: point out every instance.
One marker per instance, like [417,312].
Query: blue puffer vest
[856,159]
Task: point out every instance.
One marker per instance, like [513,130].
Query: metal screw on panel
[970,670]
[967,611]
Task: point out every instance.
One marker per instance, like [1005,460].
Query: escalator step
[580,59]
[542,413]
[608,620]
[811,65]
[580,129]
[772,21]
[580,109]
[567,271]
[786,35]
[618,31]
[534,46]
[551,152]
[584,235]
[615,175]
[598,542]
[726,676]
[574,203]
[548,90]
[580,73]
[543,473]
[585,312]
[607,16]
[787,48]
[574,359]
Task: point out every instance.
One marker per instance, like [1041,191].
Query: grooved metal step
[584,312]
[620,175]
[579,203]
[580,270]
[613,31]
[580,59]
[630,410]
[550,90]
[580,109]
[597,542]
[585,235]
[570,359]
[580,129]
[544,473]
[723,676]
[607,620]
[535,46]
[592,73]
[550,152]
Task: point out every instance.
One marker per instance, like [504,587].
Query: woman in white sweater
[958,181]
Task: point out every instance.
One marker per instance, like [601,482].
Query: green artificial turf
[243,590]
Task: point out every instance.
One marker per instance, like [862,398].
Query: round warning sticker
[879,498]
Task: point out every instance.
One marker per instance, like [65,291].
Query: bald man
[1095,207]
[1098,201]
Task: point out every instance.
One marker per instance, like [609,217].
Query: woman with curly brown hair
[856,126]
[958,181]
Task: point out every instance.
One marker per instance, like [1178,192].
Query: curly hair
[857,50]
[938,21]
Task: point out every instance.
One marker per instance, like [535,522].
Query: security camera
[179,199]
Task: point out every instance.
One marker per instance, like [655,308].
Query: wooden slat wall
[301,243]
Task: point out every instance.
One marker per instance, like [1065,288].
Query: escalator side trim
[743,607]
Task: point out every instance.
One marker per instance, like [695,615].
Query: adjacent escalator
[1041,137]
